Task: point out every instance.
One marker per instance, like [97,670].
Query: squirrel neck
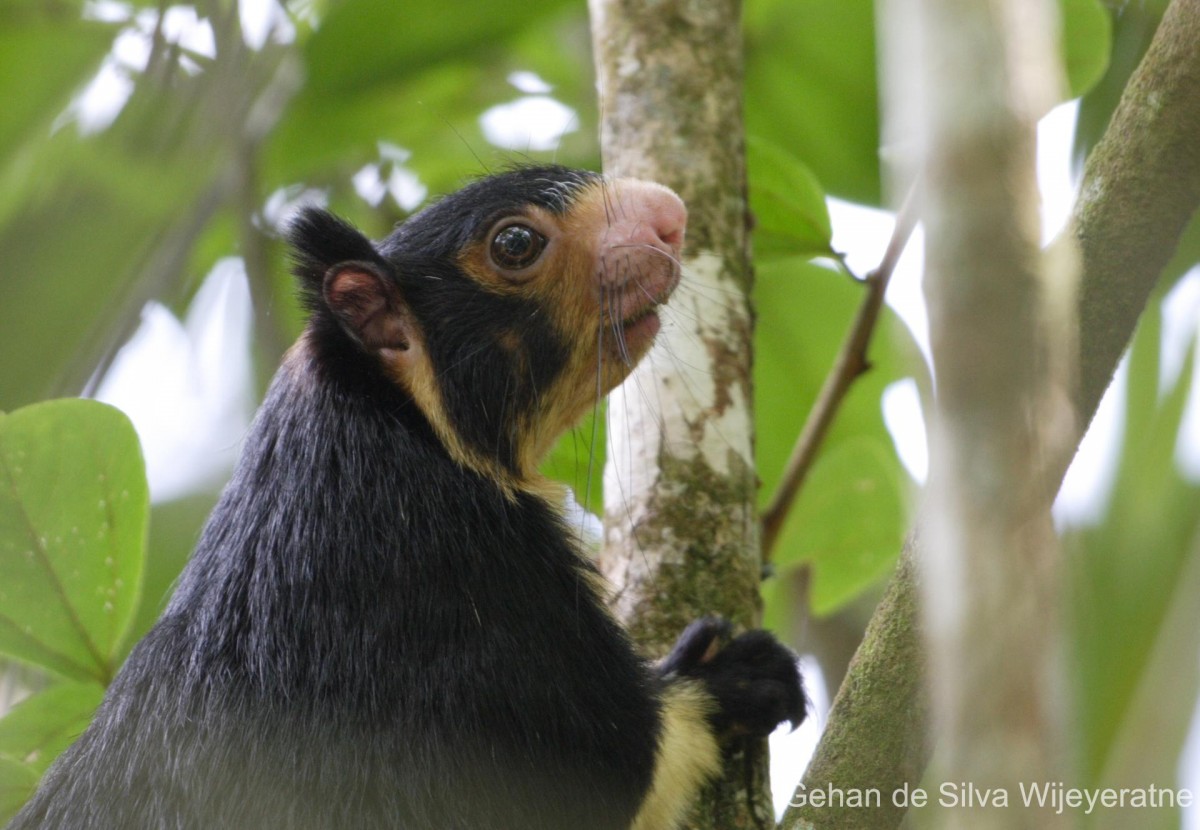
[344,502]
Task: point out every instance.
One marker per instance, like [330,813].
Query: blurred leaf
[73,514]
[103,230]
[783,602]
[1086,43]
[17,783]
[362,44]
[577,460]
[407,75]
[811,82]
[95,225]
[811,88]
[43,62]
[1132,26]
[849,519]
[1136,582]
[38,729]
[74,251]
[791,217]
[330,138]
[559,50]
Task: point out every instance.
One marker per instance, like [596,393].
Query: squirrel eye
[517,246]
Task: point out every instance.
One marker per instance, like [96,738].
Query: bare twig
[851,363]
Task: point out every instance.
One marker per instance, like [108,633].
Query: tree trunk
[681,535]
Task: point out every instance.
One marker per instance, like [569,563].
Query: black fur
[484,388]
[371,635]
[754,679]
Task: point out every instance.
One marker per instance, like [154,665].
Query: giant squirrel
[386,622]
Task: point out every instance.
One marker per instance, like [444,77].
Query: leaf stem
[851,362]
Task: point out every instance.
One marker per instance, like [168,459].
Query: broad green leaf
[791,217]
[38,729]
[1136,584]
[1086,43]
[859,477]
[849,519]
[17,783]
[73,508]
[811,87]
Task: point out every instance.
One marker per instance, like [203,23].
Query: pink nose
[648,214]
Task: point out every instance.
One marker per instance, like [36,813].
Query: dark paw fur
[754,678]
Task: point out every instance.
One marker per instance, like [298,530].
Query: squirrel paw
[753,678]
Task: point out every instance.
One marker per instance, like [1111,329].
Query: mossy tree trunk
[681,535]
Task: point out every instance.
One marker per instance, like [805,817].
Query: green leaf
[325,133]
[791,217]
[45,308]
[577,460]
[1086,43]
[784,598]
[73,508]
[859,477]
[811,87]
[362,42]
[397,72]
[38,729]
[812,82]
[17,783]
[850,517]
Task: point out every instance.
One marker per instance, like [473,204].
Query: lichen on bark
[705,565]
[682,534]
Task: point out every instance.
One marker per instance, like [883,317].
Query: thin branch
[851,363]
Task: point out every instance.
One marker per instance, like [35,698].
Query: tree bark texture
[1126,234]
[1141,187]
[681,536]
[868,742]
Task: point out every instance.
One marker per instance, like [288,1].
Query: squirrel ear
[319,240]
[368,304]
[340,271]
